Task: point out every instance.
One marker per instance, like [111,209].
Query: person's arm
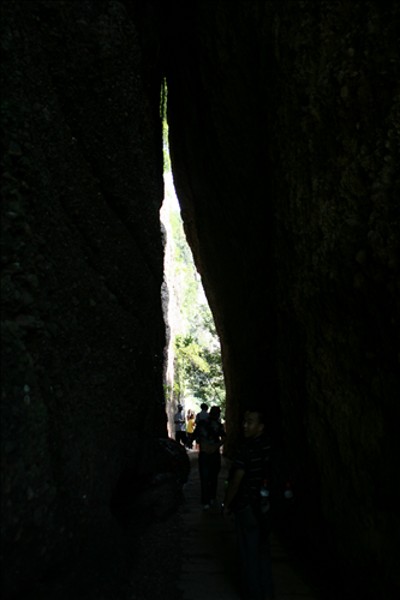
[232,489]
[221,441]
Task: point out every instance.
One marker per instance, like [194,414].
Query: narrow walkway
[209,565]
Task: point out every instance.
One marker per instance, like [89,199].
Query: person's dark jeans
[180,436]
[254,556]
[209,468]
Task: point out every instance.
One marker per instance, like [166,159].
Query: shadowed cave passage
[283,129]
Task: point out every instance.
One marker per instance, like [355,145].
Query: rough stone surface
[284,121]
[284,134]
[82,332]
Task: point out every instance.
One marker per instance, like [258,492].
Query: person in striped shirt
[250,467]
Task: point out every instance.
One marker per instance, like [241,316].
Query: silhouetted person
[210,435]
[203,414]
[250,467]
[180,426]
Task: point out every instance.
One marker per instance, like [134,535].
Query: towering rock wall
[83,332]
[284,123]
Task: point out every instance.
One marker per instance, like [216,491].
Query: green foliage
[163,114]
[185,280]
[166,158]
[198,370]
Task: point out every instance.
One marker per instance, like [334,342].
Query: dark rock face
[284,121]
[152,488]
[83,331]
[284,125]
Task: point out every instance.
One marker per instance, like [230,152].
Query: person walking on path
[203,414]
[200,416]
[180,426]
[210,435]
[190,425]
[250,467]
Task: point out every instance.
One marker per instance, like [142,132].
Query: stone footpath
[209,569]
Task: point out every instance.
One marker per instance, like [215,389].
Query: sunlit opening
[192,364]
